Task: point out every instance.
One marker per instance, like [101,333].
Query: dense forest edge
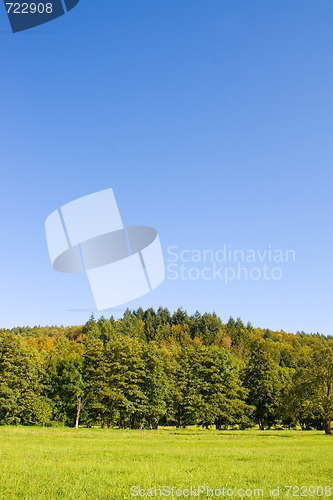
[153,368]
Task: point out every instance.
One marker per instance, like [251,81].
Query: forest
[153,368]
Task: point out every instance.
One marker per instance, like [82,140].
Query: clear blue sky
[211,120]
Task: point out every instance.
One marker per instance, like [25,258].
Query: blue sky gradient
[211,120]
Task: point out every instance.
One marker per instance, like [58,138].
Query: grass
[53,463]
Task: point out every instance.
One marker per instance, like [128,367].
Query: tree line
[153,368]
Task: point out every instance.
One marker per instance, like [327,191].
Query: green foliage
[20,383]
[154,368]
[263,378]
[310,398]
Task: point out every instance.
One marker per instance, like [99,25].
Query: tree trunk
[78,411]
[261,424]
[327,426]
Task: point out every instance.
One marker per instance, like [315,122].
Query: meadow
[53,463]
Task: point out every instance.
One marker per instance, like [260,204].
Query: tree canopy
[153,368]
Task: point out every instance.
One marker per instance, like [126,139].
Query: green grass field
[50,463]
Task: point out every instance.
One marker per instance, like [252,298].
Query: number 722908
[29,8]
[308,491]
